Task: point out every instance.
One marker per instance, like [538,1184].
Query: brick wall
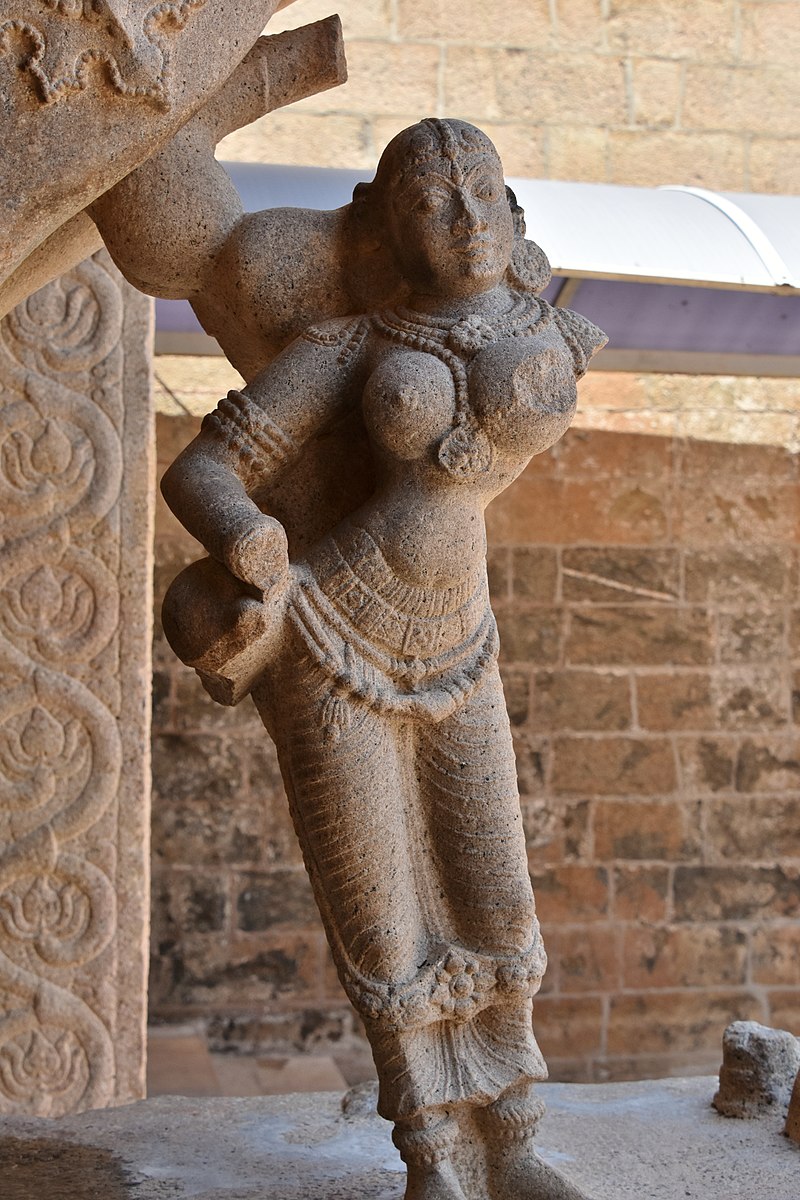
[702,92]
[643,584]
[644,589]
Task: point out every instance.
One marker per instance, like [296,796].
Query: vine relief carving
[61,742]
[66,45]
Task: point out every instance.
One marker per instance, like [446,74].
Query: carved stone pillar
[76,505]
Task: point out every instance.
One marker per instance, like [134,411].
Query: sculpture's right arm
[176,228]
[250,436]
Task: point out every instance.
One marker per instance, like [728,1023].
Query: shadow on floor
[41,1168]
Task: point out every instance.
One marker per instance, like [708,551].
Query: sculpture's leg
[467,772]
[514,1170]
[350,783]
[345,771]
[426,1145]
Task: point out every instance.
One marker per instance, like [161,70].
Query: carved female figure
[367,641]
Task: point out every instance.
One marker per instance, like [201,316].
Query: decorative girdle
[61,418]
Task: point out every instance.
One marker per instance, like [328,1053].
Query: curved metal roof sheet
[681,278]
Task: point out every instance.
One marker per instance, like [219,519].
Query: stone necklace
[465,451]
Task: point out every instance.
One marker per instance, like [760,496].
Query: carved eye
[487,187]
[432,200]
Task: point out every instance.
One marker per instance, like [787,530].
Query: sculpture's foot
[514,1170]
[425,1148]
[436,1182]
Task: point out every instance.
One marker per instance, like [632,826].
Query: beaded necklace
[464,452]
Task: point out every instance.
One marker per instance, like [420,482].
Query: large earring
[529,268]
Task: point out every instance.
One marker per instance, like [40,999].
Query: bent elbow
[177,482]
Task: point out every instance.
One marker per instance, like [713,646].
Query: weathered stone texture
[89,92]
[76,480]
[759,1068]
[611,1141]
[650,693]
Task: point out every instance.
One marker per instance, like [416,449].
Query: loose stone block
[759,1068]
[76,480]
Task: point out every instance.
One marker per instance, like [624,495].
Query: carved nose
[468,216]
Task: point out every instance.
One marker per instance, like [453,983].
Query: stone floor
[179,1063]
[629,1141]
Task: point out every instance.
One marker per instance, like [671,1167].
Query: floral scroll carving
[62,368]
[73,43]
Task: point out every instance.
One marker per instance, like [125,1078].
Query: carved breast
[408,403]
[523,393]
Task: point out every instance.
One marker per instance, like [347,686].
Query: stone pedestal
[76,497]
[622,1141]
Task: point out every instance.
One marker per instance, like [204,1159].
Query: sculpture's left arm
[583,338]
[176,228]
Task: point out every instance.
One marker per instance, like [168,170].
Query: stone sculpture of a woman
[362,627]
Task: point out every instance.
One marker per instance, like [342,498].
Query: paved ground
[627,1141]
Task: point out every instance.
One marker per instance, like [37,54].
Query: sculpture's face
[451,224]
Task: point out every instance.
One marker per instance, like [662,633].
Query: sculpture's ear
[517,213]
[529,268]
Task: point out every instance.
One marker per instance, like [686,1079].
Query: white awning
[682,279]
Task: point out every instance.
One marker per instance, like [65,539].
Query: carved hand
[259,554]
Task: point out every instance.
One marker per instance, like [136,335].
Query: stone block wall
[646,591]
[644,581]
[701,92]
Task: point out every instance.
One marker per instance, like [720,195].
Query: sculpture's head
[439,211]
[444,208]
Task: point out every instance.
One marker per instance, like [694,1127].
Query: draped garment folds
[387,709]
[417,859]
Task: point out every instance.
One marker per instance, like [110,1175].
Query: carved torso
[454,409]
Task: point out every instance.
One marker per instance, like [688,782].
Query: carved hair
[432,138]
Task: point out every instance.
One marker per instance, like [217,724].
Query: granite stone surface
[77,468]
[628,1141]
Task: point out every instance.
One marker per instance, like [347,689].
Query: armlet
[246,429]
[347,336]
[582,337]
